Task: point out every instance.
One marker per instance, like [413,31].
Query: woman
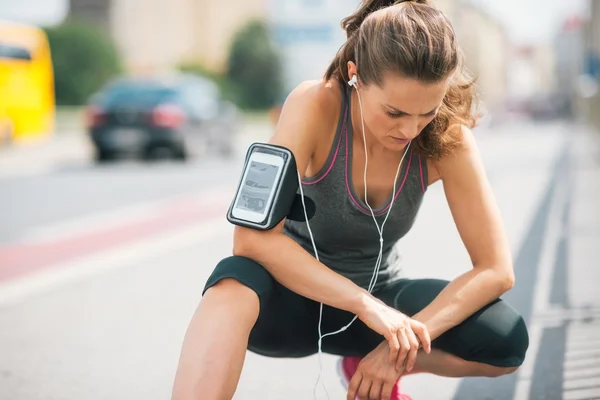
[410,108]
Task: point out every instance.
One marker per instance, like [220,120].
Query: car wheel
[181,153]
[159,152]
[103,156]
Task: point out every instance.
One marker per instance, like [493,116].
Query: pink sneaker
[347,366]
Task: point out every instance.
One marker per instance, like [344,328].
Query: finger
[386,390]
[364,389]
[394,346]
[423,334]
[375,392]
[404,347]
[411,358]
[353,386]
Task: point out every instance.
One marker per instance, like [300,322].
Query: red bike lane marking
[24,258]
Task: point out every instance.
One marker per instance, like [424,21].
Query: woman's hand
[400,331]
[375,376]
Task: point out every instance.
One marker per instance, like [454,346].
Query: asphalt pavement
[101,267]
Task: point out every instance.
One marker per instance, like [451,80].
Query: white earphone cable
[312,239]
[379,230]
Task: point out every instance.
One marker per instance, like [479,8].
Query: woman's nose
[409,129]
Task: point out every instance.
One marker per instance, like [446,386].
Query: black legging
[287,323]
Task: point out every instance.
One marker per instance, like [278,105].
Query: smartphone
[254,199]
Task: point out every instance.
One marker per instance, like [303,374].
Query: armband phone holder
[267,190]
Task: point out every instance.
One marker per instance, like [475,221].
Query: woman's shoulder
[309,119]
[312,110]
[462,143]
[320,96]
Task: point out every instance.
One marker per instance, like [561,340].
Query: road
[101,268]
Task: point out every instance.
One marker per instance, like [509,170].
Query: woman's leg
[441,363]
[243,308]
[215,343]
[491,342]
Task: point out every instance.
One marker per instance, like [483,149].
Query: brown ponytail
[417,41]
[366,7]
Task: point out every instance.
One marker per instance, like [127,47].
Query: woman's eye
[396,115]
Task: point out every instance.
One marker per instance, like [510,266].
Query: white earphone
[353,82]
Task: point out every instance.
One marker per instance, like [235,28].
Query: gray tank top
[343,228]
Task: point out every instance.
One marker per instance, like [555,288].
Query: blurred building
[486,48]
[155,35]
[593,31]
[522,75]
[93,11]
[308,34]
[569,46]
[540,58]
[448,7]
[589,86]
[534,81]
[577,47]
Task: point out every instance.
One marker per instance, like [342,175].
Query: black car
[181,115]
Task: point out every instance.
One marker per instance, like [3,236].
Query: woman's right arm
[308,112]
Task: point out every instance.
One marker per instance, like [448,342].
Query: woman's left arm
[480,226]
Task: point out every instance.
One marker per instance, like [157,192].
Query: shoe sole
[345,383]
[340,370]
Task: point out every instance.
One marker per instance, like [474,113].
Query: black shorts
[287,325]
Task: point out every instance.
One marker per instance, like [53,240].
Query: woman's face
[397,112]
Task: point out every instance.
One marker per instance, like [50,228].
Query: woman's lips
[400,140]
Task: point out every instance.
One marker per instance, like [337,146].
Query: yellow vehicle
[26,81]
[6,129]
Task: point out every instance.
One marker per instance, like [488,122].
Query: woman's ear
[352,74]
[352,69]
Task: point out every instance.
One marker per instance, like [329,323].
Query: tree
[254,68]
[84,58]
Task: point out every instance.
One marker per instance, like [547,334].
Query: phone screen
[257,186]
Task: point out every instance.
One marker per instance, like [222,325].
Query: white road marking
[120,216]
[131,254]
[541,297]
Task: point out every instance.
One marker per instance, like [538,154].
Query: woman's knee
[244,272]
[499,338]
[515,343]
[495,339]
[229,297]
[238,283]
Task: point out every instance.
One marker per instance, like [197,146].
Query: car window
[14,52]
[142,93]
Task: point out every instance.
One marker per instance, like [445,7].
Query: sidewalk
[557,269]
[32,158]
[546,179]
[575,300]
[74,147]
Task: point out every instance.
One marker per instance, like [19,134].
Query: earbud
[353,81]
